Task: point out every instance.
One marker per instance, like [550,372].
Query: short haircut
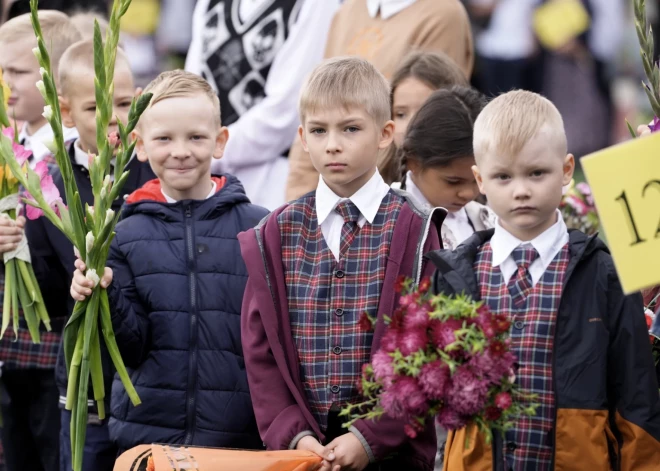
[436,69]
[83,21]
[346,82]
[512,119]
[81,56]
[179,83]
[58,32]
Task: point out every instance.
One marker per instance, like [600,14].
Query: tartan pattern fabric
[520,283]
[326,299]
[20,353]
[349,230]
[529,445]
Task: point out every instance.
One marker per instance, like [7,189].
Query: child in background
[418,76]
[318,264]
[582,345]
[29,397]
[84,23]
[437,159]
[176,280]
[21,72]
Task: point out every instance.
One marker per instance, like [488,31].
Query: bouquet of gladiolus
[445,358]
[21,287]
[90,229]
[652,88]
[579,209]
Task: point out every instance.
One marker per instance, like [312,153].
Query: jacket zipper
[192,356]
[567,277]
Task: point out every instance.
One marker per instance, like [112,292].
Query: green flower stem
[6,305]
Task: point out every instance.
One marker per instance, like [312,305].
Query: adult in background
[255,54]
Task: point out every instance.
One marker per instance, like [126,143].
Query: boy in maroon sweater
[317,264]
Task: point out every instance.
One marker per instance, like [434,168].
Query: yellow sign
[625,181]
[558,21]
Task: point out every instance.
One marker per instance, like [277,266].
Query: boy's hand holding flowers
[81,286]
[309,443]
[11,233]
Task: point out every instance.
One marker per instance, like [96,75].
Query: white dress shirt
[548,245]
[367,199]
[263,134]
[387,8]
[35,142]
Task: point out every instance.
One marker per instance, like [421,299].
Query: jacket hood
[150,200]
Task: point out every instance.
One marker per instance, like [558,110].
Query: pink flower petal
[33,213]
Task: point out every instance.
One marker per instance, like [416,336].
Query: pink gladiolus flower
[503,400]
[450,419]
[413,340]
[655,125]
[48,189]
[113,139]
[404,398]
[467,393]
[19,151]
[434,379]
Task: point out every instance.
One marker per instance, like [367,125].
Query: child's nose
[332,146]
[468,193]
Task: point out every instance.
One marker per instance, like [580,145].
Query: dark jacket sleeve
[129,319]
[632,379]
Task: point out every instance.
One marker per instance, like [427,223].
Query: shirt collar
[367,199]
[387,8]
[80,156]
[503,242]
[37,142]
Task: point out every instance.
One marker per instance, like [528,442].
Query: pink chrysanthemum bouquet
[443,358]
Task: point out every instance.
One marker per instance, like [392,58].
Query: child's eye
[317,131]
[91,108]
[399,115]
[502,177]
[538,173]
[125,104]
[162,138]
[352,129]
[197,137]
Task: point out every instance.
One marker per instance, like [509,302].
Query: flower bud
[92,276]
[50,145]
[37,53]
[109,214]
[42,88]
[43,73]
[48,112]
[89,242]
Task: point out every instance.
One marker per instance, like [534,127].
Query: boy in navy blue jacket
[176,280]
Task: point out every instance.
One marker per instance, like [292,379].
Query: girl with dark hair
[436,162]
[417,77]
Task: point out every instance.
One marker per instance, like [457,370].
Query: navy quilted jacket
[176,303]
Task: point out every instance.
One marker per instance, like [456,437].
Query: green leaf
[631,130]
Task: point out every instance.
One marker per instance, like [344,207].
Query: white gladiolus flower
[89,242]
[43,73]
[37,53]
[48,112]
[109,214]
[50,145]
[92,276]
[42,88]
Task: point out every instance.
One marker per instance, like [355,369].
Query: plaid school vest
[326,299]
[529,444]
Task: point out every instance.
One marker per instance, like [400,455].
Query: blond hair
[512,119]
[57,29]
[80,57]
[179,83]
[346,82]
[83,21]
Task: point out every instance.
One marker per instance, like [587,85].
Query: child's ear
[301,134]
[65,109]
[387,135]
[139,147]
[569,168]
[221,143]
[478,178]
